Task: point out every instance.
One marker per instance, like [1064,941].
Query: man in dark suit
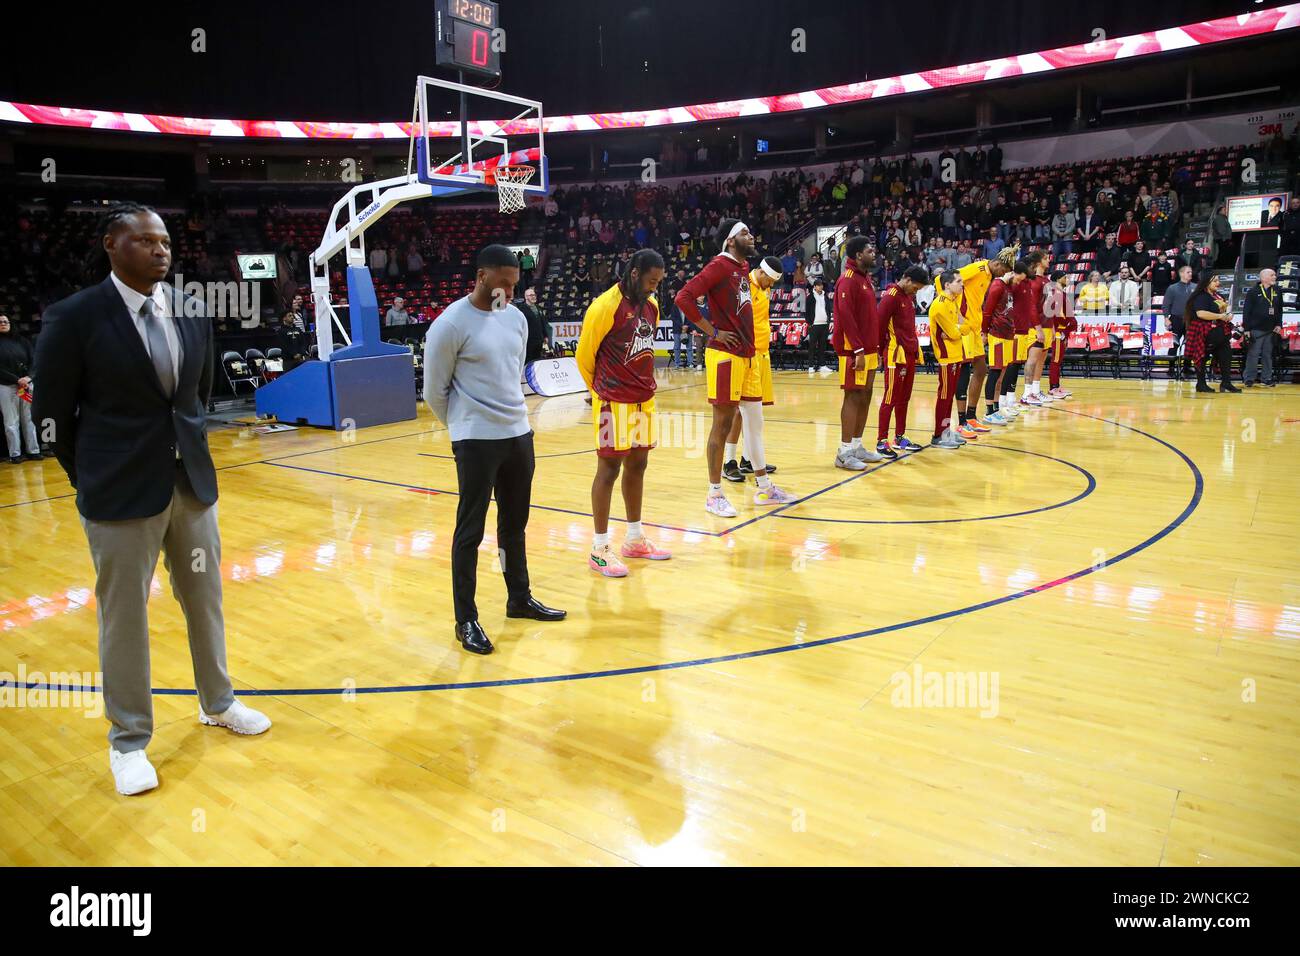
[1271,218]
[125,370]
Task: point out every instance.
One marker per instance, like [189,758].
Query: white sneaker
[1045,397]
[240,719]
[826,369]
[132,772]
[719,506]
[863,453]
[850,462]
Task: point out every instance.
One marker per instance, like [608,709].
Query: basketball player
[1058,310]
[857,344]
[1001,331]
[897,315]
[758,385]
[1031,339]
[975,279]
[729,353]
[948,328]
[616,356]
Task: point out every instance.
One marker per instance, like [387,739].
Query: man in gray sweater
[473,365]
[1175,303]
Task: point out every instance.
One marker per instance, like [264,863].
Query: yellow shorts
[1023,341]
[1049,337]
[758,381]
[621,426]
[1002,352]
[897,356]
[726,374]
[852,380]
[971,346]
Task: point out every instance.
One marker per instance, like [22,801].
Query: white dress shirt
[162,307]
[819,309]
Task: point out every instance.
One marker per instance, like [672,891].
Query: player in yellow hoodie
[756,390]
[975,279]
[949,327]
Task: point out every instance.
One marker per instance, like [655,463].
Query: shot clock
[464,36]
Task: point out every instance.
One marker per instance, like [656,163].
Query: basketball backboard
[498,129]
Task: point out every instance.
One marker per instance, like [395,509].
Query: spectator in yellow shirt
[1094,297]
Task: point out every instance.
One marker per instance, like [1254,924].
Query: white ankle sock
[764,482]
[634,531]
[729,452]
[845,448]
[857,442]
[715,489]
[599,541]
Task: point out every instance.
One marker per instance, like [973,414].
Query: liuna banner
[550,377]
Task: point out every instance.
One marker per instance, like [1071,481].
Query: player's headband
[773,274]
[736,229]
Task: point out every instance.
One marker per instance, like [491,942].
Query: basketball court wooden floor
[1075,643]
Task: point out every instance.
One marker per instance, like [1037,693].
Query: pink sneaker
[719,506]
[772,495]
[644,548]
[1060,393]
[1031,401]
[604,562]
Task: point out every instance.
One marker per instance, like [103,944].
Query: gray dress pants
[125,554]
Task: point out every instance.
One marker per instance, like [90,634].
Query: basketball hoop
[510,182]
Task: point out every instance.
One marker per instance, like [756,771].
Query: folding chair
[237,372]
[256,361]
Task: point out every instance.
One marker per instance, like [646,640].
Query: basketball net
[510,182]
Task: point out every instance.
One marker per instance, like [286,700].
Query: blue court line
[456,494]
[1092,486]
[777,512]
[587,514]
[1198,491]
[555,454]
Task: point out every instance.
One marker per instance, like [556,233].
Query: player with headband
[975,278]
[728,357]
[758,385]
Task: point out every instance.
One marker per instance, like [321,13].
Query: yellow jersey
[975,279]
[761,302]
[948,326]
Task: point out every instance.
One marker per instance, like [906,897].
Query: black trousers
[484,466]
[816,345]
[1217,347]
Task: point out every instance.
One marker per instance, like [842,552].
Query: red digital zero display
[473,47]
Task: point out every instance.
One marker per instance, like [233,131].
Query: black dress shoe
[1228,387]
[535,610]
[473,638]
[15,459]
[1202,387]
[34,456]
